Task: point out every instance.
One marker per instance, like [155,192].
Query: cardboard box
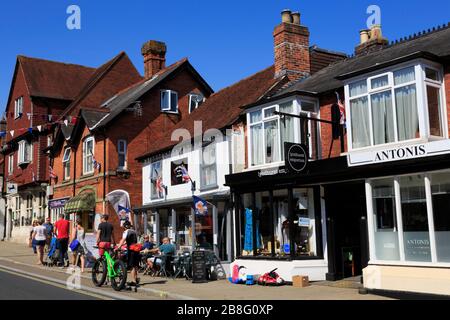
[300,281]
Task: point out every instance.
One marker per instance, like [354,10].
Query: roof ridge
[93,80]
[20,56]
[420,34]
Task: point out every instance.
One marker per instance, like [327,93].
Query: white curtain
[272,148]
[407,117]
[287,126]
[358,88]
[257,144]
[404,76]
[383,118]
[360,122]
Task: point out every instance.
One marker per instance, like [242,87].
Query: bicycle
[109,266]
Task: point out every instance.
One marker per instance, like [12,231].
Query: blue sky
[225,40]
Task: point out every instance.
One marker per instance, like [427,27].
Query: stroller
[52,257]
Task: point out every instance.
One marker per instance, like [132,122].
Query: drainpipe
[104,172]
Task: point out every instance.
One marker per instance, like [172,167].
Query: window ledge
[170,112]
[208,188]
[87,175]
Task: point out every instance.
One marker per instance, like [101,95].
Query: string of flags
[40,128]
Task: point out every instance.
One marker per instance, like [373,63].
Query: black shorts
[40,243]
[133,259]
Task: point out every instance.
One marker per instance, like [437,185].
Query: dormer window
[169,101]
[395,106]
[18,108]
[195,100]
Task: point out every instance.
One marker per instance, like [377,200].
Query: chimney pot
[375,32]
[286,16]
[154,53]
[364,36]
[295,17]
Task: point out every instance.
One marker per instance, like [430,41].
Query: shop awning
[81,203]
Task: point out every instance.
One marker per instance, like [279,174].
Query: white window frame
[398,211]
[197,104]
[18,107]
[122,152]
[422,104]
[41,204]
[25,154]
[88,159]
[29,207]
[66,163]
[17,209]
[11,164]
[169,109]
[297,109]
[204,166]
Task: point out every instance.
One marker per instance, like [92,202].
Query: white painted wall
[183,191]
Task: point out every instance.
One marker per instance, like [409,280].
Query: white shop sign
[398,153]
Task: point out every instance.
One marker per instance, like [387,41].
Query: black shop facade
[363,214]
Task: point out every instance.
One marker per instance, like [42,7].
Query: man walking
[62,227]
[49,227]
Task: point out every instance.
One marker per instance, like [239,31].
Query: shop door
[346,229]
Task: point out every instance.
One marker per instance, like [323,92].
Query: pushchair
[52,257]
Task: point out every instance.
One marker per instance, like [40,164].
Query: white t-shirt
[40,233]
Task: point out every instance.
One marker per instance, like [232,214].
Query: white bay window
[269,131]
[394,106]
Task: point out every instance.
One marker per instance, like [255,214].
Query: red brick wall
[326,129]
[291,49]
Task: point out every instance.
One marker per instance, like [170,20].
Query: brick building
[112,131]
[346,168]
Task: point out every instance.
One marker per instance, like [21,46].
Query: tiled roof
[52,79]
[222,108]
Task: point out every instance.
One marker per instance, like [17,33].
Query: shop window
[415,221]
[273,228]
[208,169]
[440,190]
[385,222]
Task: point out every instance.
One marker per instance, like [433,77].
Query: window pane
[384,214]
[415,220]
[174,102]
[209,166]
[269,112]
[404,76]
[407,116]
[121,160]
[287,126]
[434,111]
[257,144]
[358,88]
[255,116]
[272,147]
[440,190]
[304,222]
[165,100]
[380,82]
[383,118]
[431,74]
[360,122]
[308,106]
[263,225]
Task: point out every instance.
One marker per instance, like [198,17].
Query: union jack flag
[343,119]
[160,187]
[97,165]
[52,173]
[184,174]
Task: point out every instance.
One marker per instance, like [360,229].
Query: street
[15,287]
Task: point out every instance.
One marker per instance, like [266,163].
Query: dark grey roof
[436,43]
[92,117]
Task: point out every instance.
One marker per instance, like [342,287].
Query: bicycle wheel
[118,282]
[99,272]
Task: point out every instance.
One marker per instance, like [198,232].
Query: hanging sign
[296,157]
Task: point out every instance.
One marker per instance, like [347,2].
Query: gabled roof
[222,108]
[52,79]
[125,98]
[433,44]
[92,82]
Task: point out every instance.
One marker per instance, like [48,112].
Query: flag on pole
[160,186]
[200,206]
[343,119]
[185,174]
[97,165]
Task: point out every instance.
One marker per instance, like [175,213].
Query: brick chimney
[371,40]
[154,53]
[291,42]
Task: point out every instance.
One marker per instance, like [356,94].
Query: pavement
[20,260]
